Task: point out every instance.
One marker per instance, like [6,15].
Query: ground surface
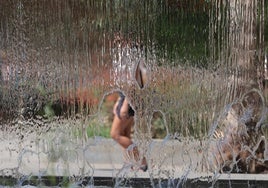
[100,161]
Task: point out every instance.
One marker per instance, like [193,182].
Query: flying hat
[141,74]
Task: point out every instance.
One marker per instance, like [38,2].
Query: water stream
[200,113]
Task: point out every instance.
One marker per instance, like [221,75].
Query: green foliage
[158,126]
[190,105]
[48,110]
[96,129]
[183,36]
[266,25]
[8,181]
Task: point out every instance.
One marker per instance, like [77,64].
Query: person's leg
[119,127]
[121,131]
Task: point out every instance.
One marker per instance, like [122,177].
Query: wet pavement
[101,161]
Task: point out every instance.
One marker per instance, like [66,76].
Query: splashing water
[194,73]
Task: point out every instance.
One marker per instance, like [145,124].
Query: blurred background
[59,63]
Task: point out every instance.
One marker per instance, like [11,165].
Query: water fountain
[200,116]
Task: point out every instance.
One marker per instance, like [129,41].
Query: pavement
[52,157]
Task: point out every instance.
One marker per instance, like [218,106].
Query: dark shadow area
[132,182]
